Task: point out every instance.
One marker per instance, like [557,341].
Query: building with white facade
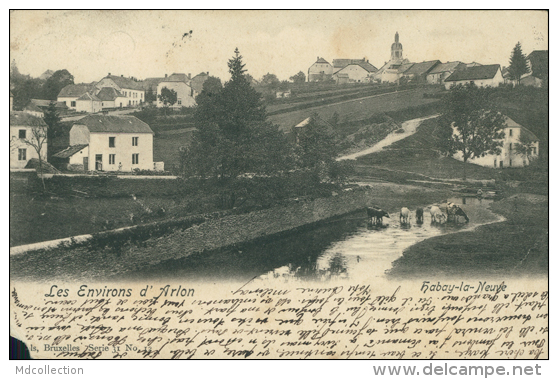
[320,70]
[481,76]
[69,94]
[184,92]
[509,155]
[132,91]
[24,127]
[109,143]
[357,71]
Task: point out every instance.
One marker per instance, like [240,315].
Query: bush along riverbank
[110,255]
[516,247]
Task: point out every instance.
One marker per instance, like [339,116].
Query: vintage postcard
[279,184]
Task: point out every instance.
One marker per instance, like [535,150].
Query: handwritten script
[306,321]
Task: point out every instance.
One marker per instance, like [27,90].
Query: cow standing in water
[454,211]
[436,215]
[376,215]
[404,215]
[419,215]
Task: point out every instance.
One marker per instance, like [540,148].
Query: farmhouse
[25,127]
[109,143]
[69,94]
[481,76]
[180,84]
[320,70]
[419,71]
[357,71]
[132,90]
[509,156]
[89,103]
[442,70]
[109,97]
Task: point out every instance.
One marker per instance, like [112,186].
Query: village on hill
[120,95]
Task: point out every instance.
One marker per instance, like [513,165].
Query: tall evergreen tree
[518,64]
[234,136]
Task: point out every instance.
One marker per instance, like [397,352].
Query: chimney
[121,75]
[165,75]
[189,75]
[208,73]
[109,74]
[318,58]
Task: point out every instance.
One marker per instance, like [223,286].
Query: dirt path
[409,127]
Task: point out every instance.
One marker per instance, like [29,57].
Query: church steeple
[396,49]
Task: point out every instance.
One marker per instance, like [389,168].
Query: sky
[143,44]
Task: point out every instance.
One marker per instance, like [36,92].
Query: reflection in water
[339,249]
[370,250]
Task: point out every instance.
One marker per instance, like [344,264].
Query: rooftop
[474,73]
[114,124]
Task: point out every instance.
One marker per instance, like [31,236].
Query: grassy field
[86,263]
[417,156]
[166,148]
[515,247]
[359,108]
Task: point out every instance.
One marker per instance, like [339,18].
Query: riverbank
[515,247]
[86,263]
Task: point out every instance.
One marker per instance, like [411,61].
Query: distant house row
[118,92]
[399,69]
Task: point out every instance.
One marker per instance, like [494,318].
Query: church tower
[396,49]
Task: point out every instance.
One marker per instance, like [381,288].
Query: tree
[38,141]
[270,80]
[54,129]
[298,78]
[317,148]
[150,96]
[470,124]
[234,138]
[518,64]
[168,97]
[55,83]
[525,147]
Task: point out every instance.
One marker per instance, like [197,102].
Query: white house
[109,143]
[111,98]
[69,94]
[89,103]
[22,127]
[132,90]
[320,70]
[481,76]
[442,71]
[359,72]
[179,84]
[509,156]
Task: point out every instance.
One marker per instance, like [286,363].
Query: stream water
[345,248]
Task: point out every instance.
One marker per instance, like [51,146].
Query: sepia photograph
[280,184]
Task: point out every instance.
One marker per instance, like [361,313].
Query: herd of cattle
[437,216]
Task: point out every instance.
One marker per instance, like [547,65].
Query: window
[179,101]
[112,158]
[22,154]
[112,141]
[510,162]
[135,158]
[511,147]
[73,104]
[22,133]
[534,150]
[495,163]
[135,141]
[511,132]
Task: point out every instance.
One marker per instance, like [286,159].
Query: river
[339,250]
